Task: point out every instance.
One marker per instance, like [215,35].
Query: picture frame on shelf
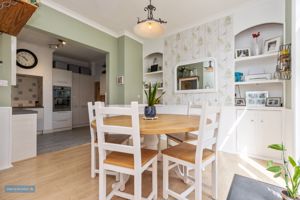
[240,102]
[256,98]
[272,45]
[241,53]
[273,102]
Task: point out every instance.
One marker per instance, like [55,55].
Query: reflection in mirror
[197,75]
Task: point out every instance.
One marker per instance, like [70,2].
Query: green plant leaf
[277,175]
[296,176]
[158,98]
[150,94]
[278,147]
[292,161]
[147,97]
[269,163]
[274,169]
[153,100]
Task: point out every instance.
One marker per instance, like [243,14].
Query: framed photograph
[120,80]
[256,98]
[273,102]
[240,102]
[272,45]
[240,53]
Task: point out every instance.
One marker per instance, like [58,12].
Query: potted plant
[292,180]
[150,110]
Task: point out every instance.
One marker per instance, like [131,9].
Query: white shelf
[152,73]
[260,108]
[253,58]
[260,82]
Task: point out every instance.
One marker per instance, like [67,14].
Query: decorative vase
[256,48]
[150,111]
[285,196]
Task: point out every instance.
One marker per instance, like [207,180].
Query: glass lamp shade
[149,29]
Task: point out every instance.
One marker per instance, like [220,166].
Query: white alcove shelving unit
[153,77]
[263,63]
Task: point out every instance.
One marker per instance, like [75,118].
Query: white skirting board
[6,137]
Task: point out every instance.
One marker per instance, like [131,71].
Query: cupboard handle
[252,120]
[262,121]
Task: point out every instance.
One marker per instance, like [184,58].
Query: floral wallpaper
[214,39]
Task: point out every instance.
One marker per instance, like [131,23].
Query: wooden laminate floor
[65,175]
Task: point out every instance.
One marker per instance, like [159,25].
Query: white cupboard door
[246,131]
[62,77]
[86,93]
[76,100]
[269,132]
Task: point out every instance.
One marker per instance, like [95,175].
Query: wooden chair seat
[182,137]
[127,160]
[186,152]
[115,138]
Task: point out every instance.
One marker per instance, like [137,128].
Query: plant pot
[150,111]
[285,196]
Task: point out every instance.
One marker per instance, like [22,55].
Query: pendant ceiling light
[150,27]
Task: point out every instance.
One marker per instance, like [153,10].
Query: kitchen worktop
[19,111]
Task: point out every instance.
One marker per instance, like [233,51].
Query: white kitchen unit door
[24,136]
[62,78]
[82,93]
[62,120]
[40,119]
[256,130]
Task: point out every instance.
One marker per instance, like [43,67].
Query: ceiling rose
[150,27]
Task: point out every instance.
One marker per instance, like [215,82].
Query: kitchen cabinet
[24,136]
[40,119]
[256,130]
[62,77]
[62,120]
[82,93]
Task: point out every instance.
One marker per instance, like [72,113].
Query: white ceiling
[71,49]
[120,16]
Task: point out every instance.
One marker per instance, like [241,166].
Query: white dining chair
[118,139]
[177,138]
[192,109]
[196,157]
[126,159]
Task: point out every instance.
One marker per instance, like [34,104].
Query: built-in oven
[61,98]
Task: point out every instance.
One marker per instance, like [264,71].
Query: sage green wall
[52,21]
[121,63]
[132,62]
[123,53]
[5,69]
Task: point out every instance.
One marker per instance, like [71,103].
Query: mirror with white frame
[196,76]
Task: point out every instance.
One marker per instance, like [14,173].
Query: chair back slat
[118,147]
[116,111]
[194,109]
[208,130]
[208,143]
[123,130]
[133,131]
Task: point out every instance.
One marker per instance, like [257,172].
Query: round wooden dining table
[164,124]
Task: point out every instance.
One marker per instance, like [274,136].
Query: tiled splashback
[27,92]
[214,39]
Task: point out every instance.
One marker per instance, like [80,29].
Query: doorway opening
[73,74]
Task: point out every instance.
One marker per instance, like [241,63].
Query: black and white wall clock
[26,59]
